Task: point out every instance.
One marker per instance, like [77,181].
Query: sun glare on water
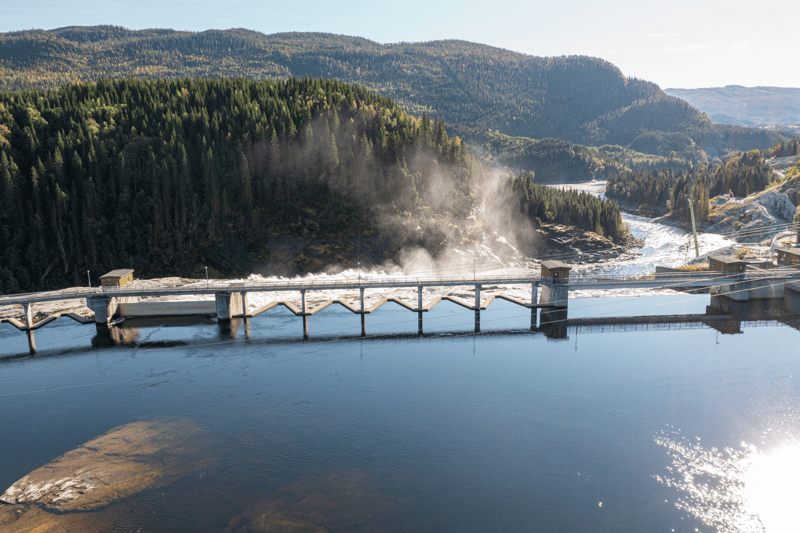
[772,487]
[735,490]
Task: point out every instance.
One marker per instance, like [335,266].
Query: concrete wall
[750,290]
[182,308]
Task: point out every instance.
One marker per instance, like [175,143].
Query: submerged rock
[124,461]
[28,519]
[340,502]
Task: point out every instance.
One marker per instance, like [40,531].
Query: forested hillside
[667,191]
[784,149]
[167,176]
[582,209]
[577,99]
[557,161]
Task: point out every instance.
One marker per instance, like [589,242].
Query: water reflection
[108,336]
[500,432]
[724,315]
[735,490]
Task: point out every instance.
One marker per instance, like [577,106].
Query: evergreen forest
[556,161]
[788,148]
[166,176]
[669,190]
[574,208]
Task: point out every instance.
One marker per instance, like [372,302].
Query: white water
[664,245]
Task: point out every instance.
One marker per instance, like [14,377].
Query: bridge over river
[231,298]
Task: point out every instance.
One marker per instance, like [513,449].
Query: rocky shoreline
[572,245]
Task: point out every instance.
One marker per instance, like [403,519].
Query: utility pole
[797,224]
[89,278]
[694,230]
[206,277]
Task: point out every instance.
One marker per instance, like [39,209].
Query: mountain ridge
[579,99]
[746,106]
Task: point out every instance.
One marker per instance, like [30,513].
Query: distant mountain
[745,106]
[578,99]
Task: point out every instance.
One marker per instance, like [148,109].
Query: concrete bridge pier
[555,294]
[419,310]
[29,325]
[303,313]
[477,308]
[554,318]
[245,318]
[758,289]
[228,303]
[31,342]
[554,323]
[791,297]
[104,307]
[363,315]
[534,301]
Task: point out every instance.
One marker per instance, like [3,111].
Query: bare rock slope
[757,217]
[124,461]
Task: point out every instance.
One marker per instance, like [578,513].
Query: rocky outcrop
[754,217]
[778,203]
[124,461]
[570,244]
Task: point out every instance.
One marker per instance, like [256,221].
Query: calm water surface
[503,431]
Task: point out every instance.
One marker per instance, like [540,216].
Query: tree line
[669,191]
[570,208]
[787,148]
[157,175]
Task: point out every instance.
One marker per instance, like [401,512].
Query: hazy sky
[678,43]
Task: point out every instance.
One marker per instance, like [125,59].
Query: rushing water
[670,428]
[664,245]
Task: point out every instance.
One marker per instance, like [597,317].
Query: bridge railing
[688,277]
[201,287]
[211,286]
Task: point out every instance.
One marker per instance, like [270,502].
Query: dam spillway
[547,293]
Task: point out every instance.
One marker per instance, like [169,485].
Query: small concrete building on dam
[789,257]
[727,264]
[117,278]
[556,271]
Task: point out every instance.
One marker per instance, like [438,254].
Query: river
[665,245]
[249,428]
